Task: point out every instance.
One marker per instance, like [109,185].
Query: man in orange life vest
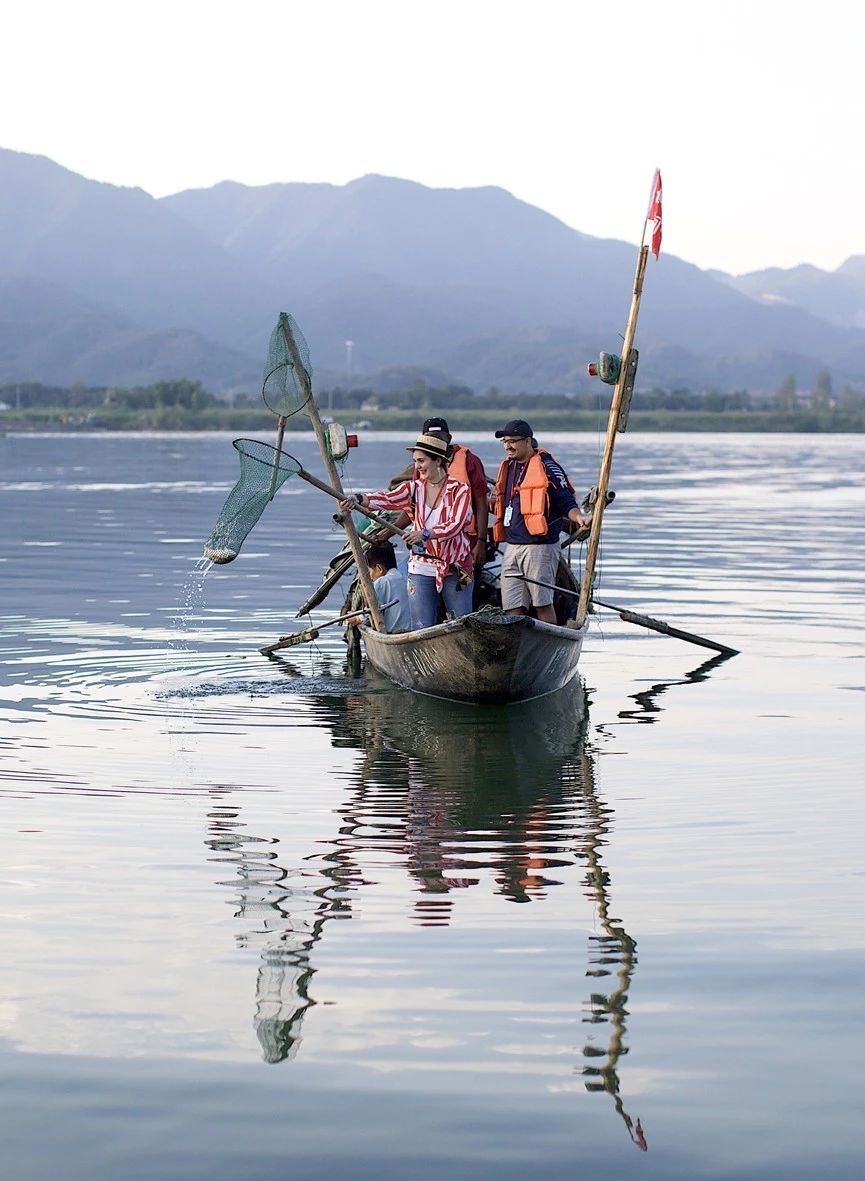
[533,498]
[468,469]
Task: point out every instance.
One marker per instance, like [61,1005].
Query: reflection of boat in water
[518,747]
[496,799]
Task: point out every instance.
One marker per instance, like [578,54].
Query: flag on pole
[654,214]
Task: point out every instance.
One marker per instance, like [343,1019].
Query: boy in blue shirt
[390,587]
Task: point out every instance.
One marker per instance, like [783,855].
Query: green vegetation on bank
[186,405]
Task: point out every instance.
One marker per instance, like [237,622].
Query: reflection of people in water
[523,778]
[503,799]
[485,777]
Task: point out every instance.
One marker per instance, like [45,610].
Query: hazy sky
[753,110]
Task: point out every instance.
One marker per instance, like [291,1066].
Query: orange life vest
[459,469]
[458,466]
[534,496]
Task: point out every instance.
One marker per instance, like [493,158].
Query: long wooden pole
[379,518]
[612,427]
[308,634]
[280,432]
[655,625]
[666,629]
[363,574]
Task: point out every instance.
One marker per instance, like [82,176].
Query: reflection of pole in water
[613,949]
[536,815]
[646,699]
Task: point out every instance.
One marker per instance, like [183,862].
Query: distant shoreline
[461,419]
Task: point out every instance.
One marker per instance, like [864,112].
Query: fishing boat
[487,657]
[503,658]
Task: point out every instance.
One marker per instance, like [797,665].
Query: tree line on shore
[186,405]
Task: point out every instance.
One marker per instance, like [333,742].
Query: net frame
[249,497]
[284,390]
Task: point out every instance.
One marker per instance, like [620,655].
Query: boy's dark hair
[381,554]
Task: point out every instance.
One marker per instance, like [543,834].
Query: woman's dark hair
[381,554]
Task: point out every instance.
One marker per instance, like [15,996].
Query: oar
[655,625]
[306,636]
[311,633]
[666,629]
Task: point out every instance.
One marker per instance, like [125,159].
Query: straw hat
[431,445]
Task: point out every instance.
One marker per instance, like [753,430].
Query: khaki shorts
[535,561]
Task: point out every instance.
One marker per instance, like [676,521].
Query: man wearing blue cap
[534,498]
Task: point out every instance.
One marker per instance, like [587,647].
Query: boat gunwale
[477,622]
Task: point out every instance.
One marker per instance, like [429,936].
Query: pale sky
[751,108]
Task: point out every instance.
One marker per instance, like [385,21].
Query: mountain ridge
[471,282]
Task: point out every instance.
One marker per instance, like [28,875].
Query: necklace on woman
[432,501]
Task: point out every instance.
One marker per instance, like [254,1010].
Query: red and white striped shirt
[451,546]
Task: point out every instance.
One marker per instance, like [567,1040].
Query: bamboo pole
[337,494]
[280,432]
[667,629]
[612,427]
[364,578]
[308,634]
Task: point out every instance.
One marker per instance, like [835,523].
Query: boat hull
[484,657]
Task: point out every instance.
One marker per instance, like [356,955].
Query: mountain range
[107,285]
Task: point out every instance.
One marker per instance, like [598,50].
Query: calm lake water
[262,920]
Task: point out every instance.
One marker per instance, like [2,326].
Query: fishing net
[263,471]
[287,385]
[286,388]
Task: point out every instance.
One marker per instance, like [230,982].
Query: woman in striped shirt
[440,566]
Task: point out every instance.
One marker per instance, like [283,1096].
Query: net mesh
[287,381]
[263,470]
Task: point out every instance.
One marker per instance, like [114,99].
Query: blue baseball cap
[517,428]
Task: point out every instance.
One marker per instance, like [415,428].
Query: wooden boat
[504,658]
[486,657]
[489,656]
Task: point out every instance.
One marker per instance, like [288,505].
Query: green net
[263,470]
[287,384]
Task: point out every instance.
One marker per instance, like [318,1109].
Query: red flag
[654,214]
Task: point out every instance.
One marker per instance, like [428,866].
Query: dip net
[287,384]
[286,388]
[263,470]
